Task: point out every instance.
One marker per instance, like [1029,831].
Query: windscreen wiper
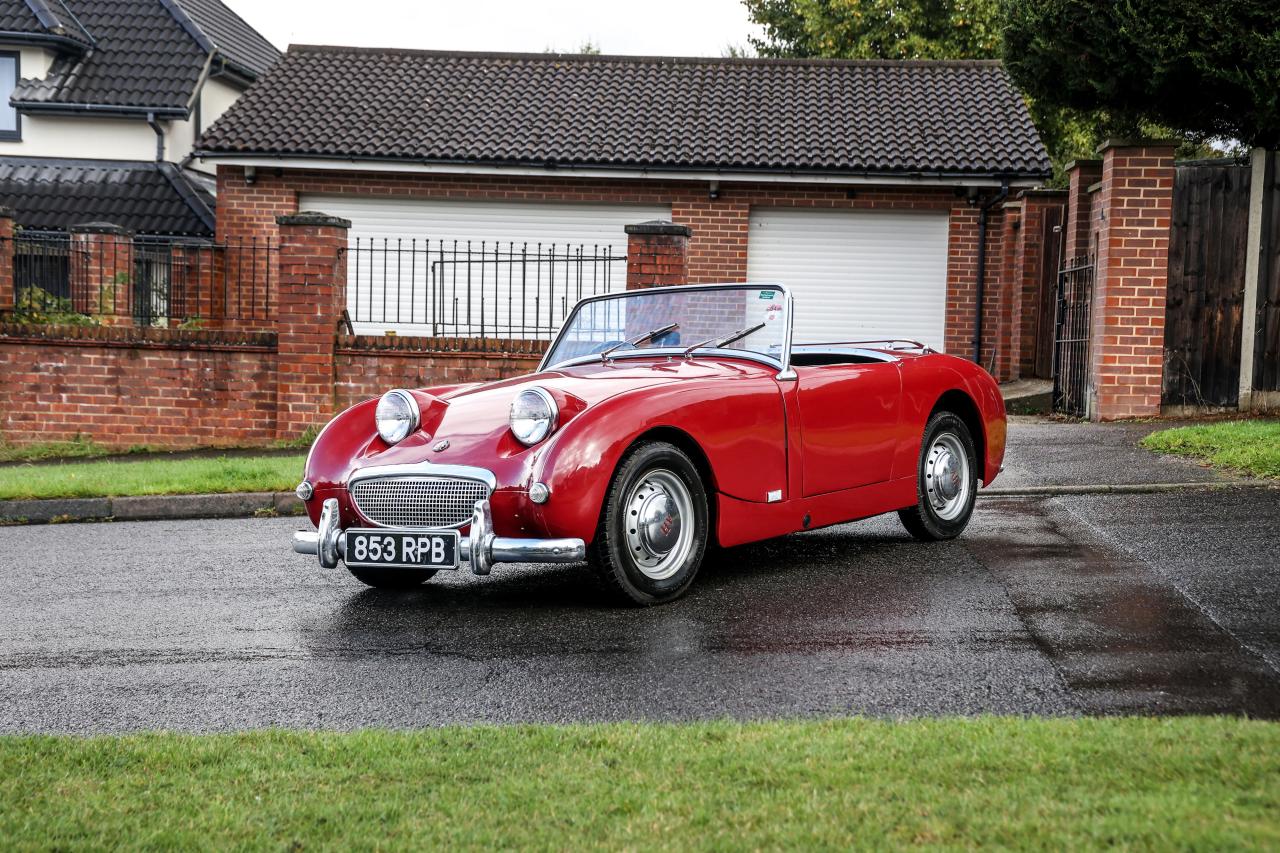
[638,339]
[726,340]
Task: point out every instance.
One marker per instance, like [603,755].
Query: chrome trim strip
[784,374]
[425,468]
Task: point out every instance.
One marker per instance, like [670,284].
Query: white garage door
[494,287]
[856,274]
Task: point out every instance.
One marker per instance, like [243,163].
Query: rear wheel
[392,578]
[947,481]
[654,528]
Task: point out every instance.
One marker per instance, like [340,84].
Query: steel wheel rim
[659,523]
[947,478]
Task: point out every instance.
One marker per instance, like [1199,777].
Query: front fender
[739,426]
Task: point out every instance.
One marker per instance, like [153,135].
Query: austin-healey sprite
[660,424]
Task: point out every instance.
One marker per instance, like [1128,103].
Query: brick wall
[123,387]
[367,369]
[716,252]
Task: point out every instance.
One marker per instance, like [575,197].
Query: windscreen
[754,317]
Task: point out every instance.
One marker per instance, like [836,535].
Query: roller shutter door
[856,274]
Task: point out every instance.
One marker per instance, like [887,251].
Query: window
[10,122]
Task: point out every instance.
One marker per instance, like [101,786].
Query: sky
[647,27]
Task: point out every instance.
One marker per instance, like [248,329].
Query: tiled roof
[146,54]
[144,197]
[231,36]
[45,18]
[811,116]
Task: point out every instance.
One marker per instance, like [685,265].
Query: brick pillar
[1130,279]
[1081,174]
[101,272]
[7,295]
[657,254]
[312,294]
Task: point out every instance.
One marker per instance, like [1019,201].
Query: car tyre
[654,526]
[946,481]
[392,578]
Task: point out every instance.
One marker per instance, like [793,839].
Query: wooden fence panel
[1266,352]
[1206,284]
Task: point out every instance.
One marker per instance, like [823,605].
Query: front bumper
[481,550]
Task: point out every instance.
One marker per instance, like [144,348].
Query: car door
[849,415]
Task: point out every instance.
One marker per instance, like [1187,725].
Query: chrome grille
[410,501]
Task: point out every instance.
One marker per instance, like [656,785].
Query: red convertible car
[661,423]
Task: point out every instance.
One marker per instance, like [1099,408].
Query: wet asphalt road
[1108,604]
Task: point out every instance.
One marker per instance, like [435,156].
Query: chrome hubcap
[659,513]
[947,479]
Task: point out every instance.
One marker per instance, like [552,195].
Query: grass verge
[82,447]
[1189,783]
[1248,446]
[154,476]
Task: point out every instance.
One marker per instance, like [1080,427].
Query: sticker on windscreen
[766,294]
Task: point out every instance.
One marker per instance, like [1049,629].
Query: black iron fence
[1071,337]
[87,279]
[460,288]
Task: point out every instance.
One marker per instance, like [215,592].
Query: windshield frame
[783,365]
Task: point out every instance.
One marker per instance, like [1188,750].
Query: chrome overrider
[481,550]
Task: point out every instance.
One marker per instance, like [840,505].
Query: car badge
[443,444]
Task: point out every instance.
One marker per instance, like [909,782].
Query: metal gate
[1071,337]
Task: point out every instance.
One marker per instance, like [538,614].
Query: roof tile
[636,112]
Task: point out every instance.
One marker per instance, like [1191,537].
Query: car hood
[473,419]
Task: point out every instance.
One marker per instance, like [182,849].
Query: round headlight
[396,416]
[533,416]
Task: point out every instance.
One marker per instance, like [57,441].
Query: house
[860,184]
[101,101]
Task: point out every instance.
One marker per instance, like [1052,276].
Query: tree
[877,29]
[911,29]
[1206,70]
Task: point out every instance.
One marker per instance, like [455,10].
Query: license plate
[406,549]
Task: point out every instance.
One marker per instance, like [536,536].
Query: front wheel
[654,527]
[392,578]
[947,481]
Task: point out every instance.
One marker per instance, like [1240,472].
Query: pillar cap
[1137,142]
[6,212]
[98,228]
[1082,163]
[313,217]
[659,227]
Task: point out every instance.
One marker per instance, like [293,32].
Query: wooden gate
[1050,260]
[1207,244]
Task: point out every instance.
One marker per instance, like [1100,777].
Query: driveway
[1067,605]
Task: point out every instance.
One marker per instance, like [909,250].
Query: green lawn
[1188,783]
[152,476]
[1248,446]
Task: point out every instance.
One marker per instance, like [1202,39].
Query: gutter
[67,108]
[74,45]
[980,296]
[677,173]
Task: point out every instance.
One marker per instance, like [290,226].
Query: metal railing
[1071,337]
[461,288]
[88,279]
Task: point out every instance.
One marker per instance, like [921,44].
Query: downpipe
[980,296]
[481,549]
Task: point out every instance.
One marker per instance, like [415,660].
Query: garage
[856,274]
[375,277]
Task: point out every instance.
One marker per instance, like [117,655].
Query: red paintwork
[841,442]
